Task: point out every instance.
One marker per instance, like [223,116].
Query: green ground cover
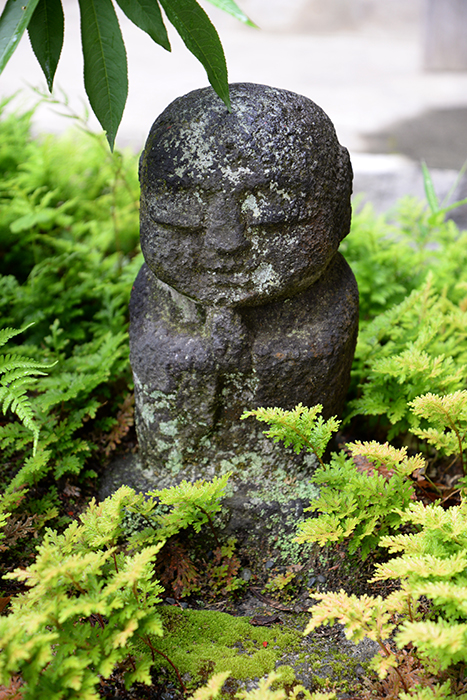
[69,252]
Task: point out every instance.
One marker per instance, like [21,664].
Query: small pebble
[321,578]
[246,574]
[269,564]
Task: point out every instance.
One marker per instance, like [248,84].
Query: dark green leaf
[201,38]
[13,21]
[146,14]
[233,9]
[46,35]
[105,65]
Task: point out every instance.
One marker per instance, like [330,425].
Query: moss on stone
[203,642]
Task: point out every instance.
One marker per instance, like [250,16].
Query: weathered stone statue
[244,300]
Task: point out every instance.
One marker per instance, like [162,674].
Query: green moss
[197,639]
[203,642]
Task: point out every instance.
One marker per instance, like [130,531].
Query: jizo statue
[244,300]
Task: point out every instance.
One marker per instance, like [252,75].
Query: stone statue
[244,300]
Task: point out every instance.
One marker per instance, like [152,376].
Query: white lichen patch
[169,428]
[235,176]
[266,277]
[274,187]
[250,205]
[194,148]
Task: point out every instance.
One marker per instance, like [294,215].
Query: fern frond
[13,366]
[192,504]
[33,469]
[7,333]
[388,456]
[16,372]
[213,687]
[422,566]
[301,428]
[416,347]
[443,641]
[449,416]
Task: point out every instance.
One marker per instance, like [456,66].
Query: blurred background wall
[318,16]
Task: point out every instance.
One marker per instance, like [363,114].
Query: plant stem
[115,561]
[388,652]
[211,524]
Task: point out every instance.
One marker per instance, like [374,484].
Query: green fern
[415,347]
[301,428]
[431,565]
[360,506]
[15,382]
[448,416]
[92,597]
[49,637]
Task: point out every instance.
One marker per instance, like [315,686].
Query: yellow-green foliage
[449,416]
[212,690]
[92,594]
[363,616]
[191,504]
[361,506]
[390,254]
[301,428]
[86,602]
[432,564]
[413,348]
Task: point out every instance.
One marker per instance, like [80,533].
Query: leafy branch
[105,61]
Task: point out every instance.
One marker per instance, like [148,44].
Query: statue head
[243,207]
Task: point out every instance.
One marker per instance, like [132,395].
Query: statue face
[228,223]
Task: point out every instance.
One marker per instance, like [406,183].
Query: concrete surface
[368,76]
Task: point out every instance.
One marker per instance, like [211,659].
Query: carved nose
[224,233]
[226,238]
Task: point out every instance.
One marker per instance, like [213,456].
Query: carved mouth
[224,268]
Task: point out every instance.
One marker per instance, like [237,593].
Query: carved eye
[263,207]
[181,209]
